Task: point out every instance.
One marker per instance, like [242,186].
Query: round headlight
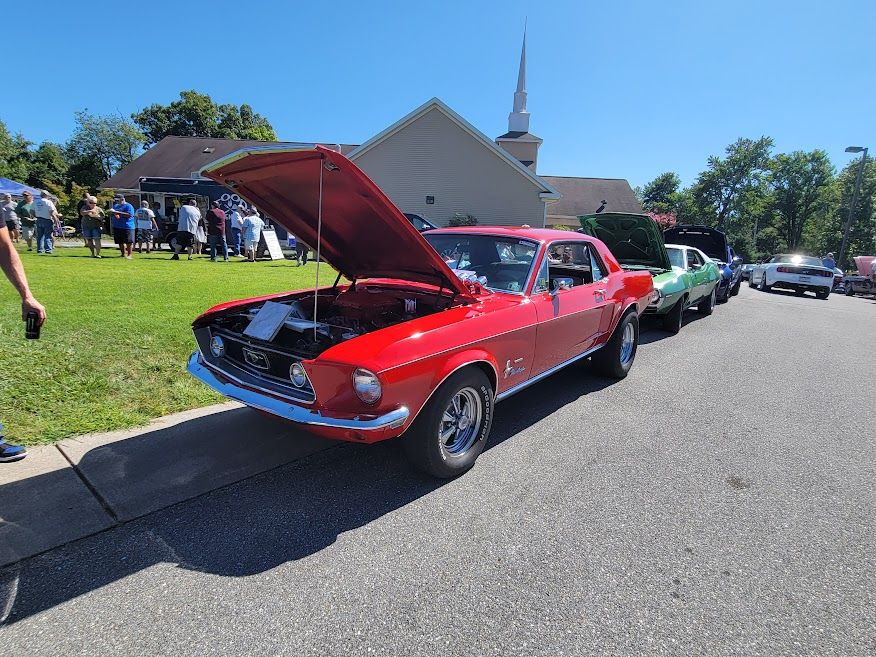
[297,375]
[217,346]
[367,385]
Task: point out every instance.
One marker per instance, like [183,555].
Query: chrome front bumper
[288,411]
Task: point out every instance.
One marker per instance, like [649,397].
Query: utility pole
[852,149]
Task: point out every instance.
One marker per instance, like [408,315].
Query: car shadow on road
[255,525]
[652,331]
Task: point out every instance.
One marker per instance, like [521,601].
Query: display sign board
[267,322]
[272,244]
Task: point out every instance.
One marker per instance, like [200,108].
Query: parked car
[681,280]
[420,222]
[864,280]
[746,270]
[412,347]
[793,272]
[713,243]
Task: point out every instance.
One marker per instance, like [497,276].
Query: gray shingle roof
[179,157]
[585,196]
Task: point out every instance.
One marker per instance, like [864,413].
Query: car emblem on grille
[256,359]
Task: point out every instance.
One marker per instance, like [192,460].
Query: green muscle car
[684,276]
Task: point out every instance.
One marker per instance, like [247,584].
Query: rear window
[790,259]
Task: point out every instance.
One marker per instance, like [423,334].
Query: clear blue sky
[622,89]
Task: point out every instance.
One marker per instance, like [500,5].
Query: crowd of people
[236,233]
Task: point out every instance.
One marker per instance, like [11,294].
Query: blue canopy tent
[16,188]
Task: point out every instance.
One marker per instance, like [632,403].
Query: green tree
[197,115]
[727,184]
[109,142]
[47,165]
[661,195]
[827,234]
[800,184]
[14,155]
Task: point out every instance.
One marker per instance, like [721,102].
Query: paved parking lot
[719,501]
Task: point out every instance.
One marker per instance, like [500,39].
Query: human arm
[11,265]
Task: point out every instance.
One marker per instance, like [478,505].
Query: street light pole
[852,149]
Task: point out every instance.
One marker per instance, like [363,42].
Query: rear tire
[452,429]
[616,358]
[762,286]
[736,287]
[822,295]
[707,305]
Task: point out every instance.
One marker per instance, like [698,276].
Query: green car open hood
[634,239]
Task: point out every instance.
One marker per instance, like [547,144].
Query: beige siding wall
[433,156]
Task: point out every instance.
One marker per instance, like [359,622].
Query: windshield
[504,261]
[676,257]
[797,260]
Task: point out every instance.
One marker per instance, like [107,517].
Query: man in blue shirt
[124,224]
[828,261]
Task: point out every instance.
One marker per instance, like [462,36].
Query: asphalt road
[719,501]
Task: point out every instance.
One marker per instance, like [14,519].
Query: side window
[596,266]
[569,264]
[693,259]
[542,281]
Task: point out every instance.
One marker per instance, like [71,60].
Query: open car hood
[710,241]
[634,239]
[364,235]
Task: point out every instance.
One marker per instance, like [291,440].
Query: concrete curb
[90,483]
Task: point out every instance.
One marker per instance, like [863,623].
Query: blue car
[713,243]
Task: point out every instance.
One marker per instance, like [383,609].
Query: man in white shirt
[47,218]
[145,227]
[187,226]
[236,220]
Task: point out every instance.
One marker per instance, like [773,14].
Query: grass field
[112,353]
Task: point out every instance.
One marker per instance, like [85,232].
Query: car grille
[263,362]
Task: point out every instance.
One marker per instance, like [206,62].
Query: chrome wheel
[461,422]
[628,341]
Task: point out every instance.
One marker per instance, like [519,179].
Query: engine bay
[340,317]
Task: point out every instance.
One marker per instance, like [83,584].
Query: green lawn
[112,353]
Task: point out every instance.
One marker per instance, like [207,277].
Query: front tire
[849,291]
[673,320]
[707,305]
[616,358]
[452,429]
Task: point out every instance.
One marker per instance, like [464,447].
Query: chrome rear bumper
[289,411]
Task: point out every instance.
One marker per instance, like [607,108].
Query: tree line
[101,145]
[773,203]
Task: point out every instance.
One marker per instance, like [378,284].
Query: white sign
[272,244]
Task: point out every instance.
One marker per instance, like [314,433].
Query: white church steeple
[518,119]
[518,141]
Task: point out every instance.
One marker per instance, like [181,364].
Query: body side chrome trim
[293,412]
[538,377]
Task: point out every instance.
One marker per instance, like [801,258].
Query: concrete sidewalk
[85,485]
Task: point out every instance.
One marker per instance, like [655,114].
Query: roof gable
[436,104]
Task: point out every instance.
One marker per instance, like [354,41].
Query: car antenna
[318,245]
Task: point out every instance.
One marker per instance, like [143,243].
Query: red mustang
[432,329]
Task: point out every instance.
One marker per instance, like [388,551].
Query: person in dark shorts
[189,220]
[124,225]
